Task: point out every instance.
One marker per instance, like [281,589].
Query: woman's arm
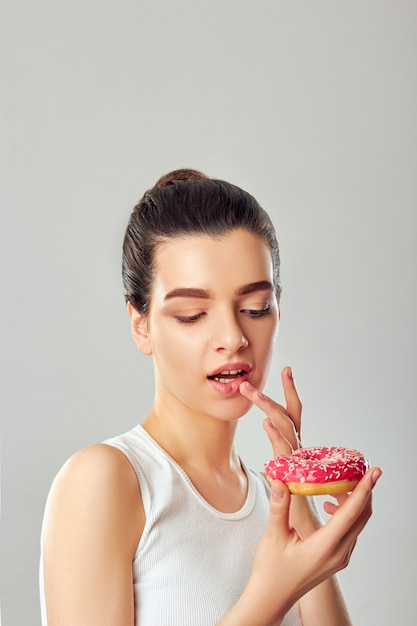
[93,521]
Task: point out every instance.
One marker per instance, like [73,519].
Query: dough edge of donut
[320,489]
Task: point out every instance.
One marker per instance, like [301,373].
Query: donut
[317,471]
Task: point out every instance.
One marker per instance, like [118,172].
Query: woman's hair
[187,203]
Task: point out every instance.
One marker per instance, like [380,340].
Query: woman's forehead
[235,259]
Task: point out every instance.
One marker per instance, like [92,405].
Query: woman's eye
[188,319]
[266,310]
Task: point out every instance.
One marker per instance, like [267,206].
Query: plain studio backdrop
[309,105]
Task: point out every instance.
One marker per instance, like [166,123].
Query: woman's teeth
[227,376]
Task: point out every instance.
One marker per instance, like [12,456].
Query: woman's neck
[203,447]
[190,438]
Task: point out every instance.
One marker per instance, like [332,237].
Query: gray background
[311,106]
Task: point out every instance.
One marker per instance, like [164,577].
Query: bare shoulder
[100,461]
[96,470]
[96,488]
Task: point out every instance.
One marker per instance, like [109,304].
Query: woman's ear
[139,326]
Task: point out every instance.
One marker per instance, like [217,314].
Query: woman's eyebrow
[188,292]
[194,292]
[261,285]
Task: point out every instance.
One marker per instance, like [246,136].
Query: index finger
[292,399]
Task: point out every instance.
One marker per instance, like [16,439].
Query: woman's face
[211,323]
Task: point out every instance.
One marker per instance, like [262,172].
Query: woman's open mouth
[227,376]
[228,379]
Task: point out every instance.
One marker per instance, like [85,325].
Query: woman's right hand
[286,567]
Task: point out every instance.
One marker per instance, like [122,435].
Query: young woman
[165,525]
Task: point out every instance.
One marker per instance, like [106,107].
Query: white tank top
[193,561]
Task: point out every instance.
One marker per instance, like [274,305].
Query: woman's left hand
[282,424]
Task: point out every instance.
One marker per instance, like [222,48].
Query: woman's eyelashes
[256,313]
[253,313]
[189,319]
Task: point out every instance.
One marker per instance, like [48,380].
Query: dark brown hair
[187,202]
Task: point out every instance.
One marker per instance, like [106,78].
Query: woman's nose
[228,334]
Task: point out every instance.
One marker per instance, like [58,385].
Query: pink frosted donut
[316,471]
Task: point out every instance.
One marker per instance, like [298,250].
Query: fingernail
[277,492]
[375,476]
[250,387]
[290,373]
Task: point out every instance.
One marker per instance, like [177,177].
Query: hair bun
[182,174]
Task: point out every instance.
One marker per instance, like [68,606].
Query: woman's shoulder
[98,466]
[98,487]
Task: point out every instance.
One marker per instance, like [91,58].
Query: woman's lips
[228,378]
